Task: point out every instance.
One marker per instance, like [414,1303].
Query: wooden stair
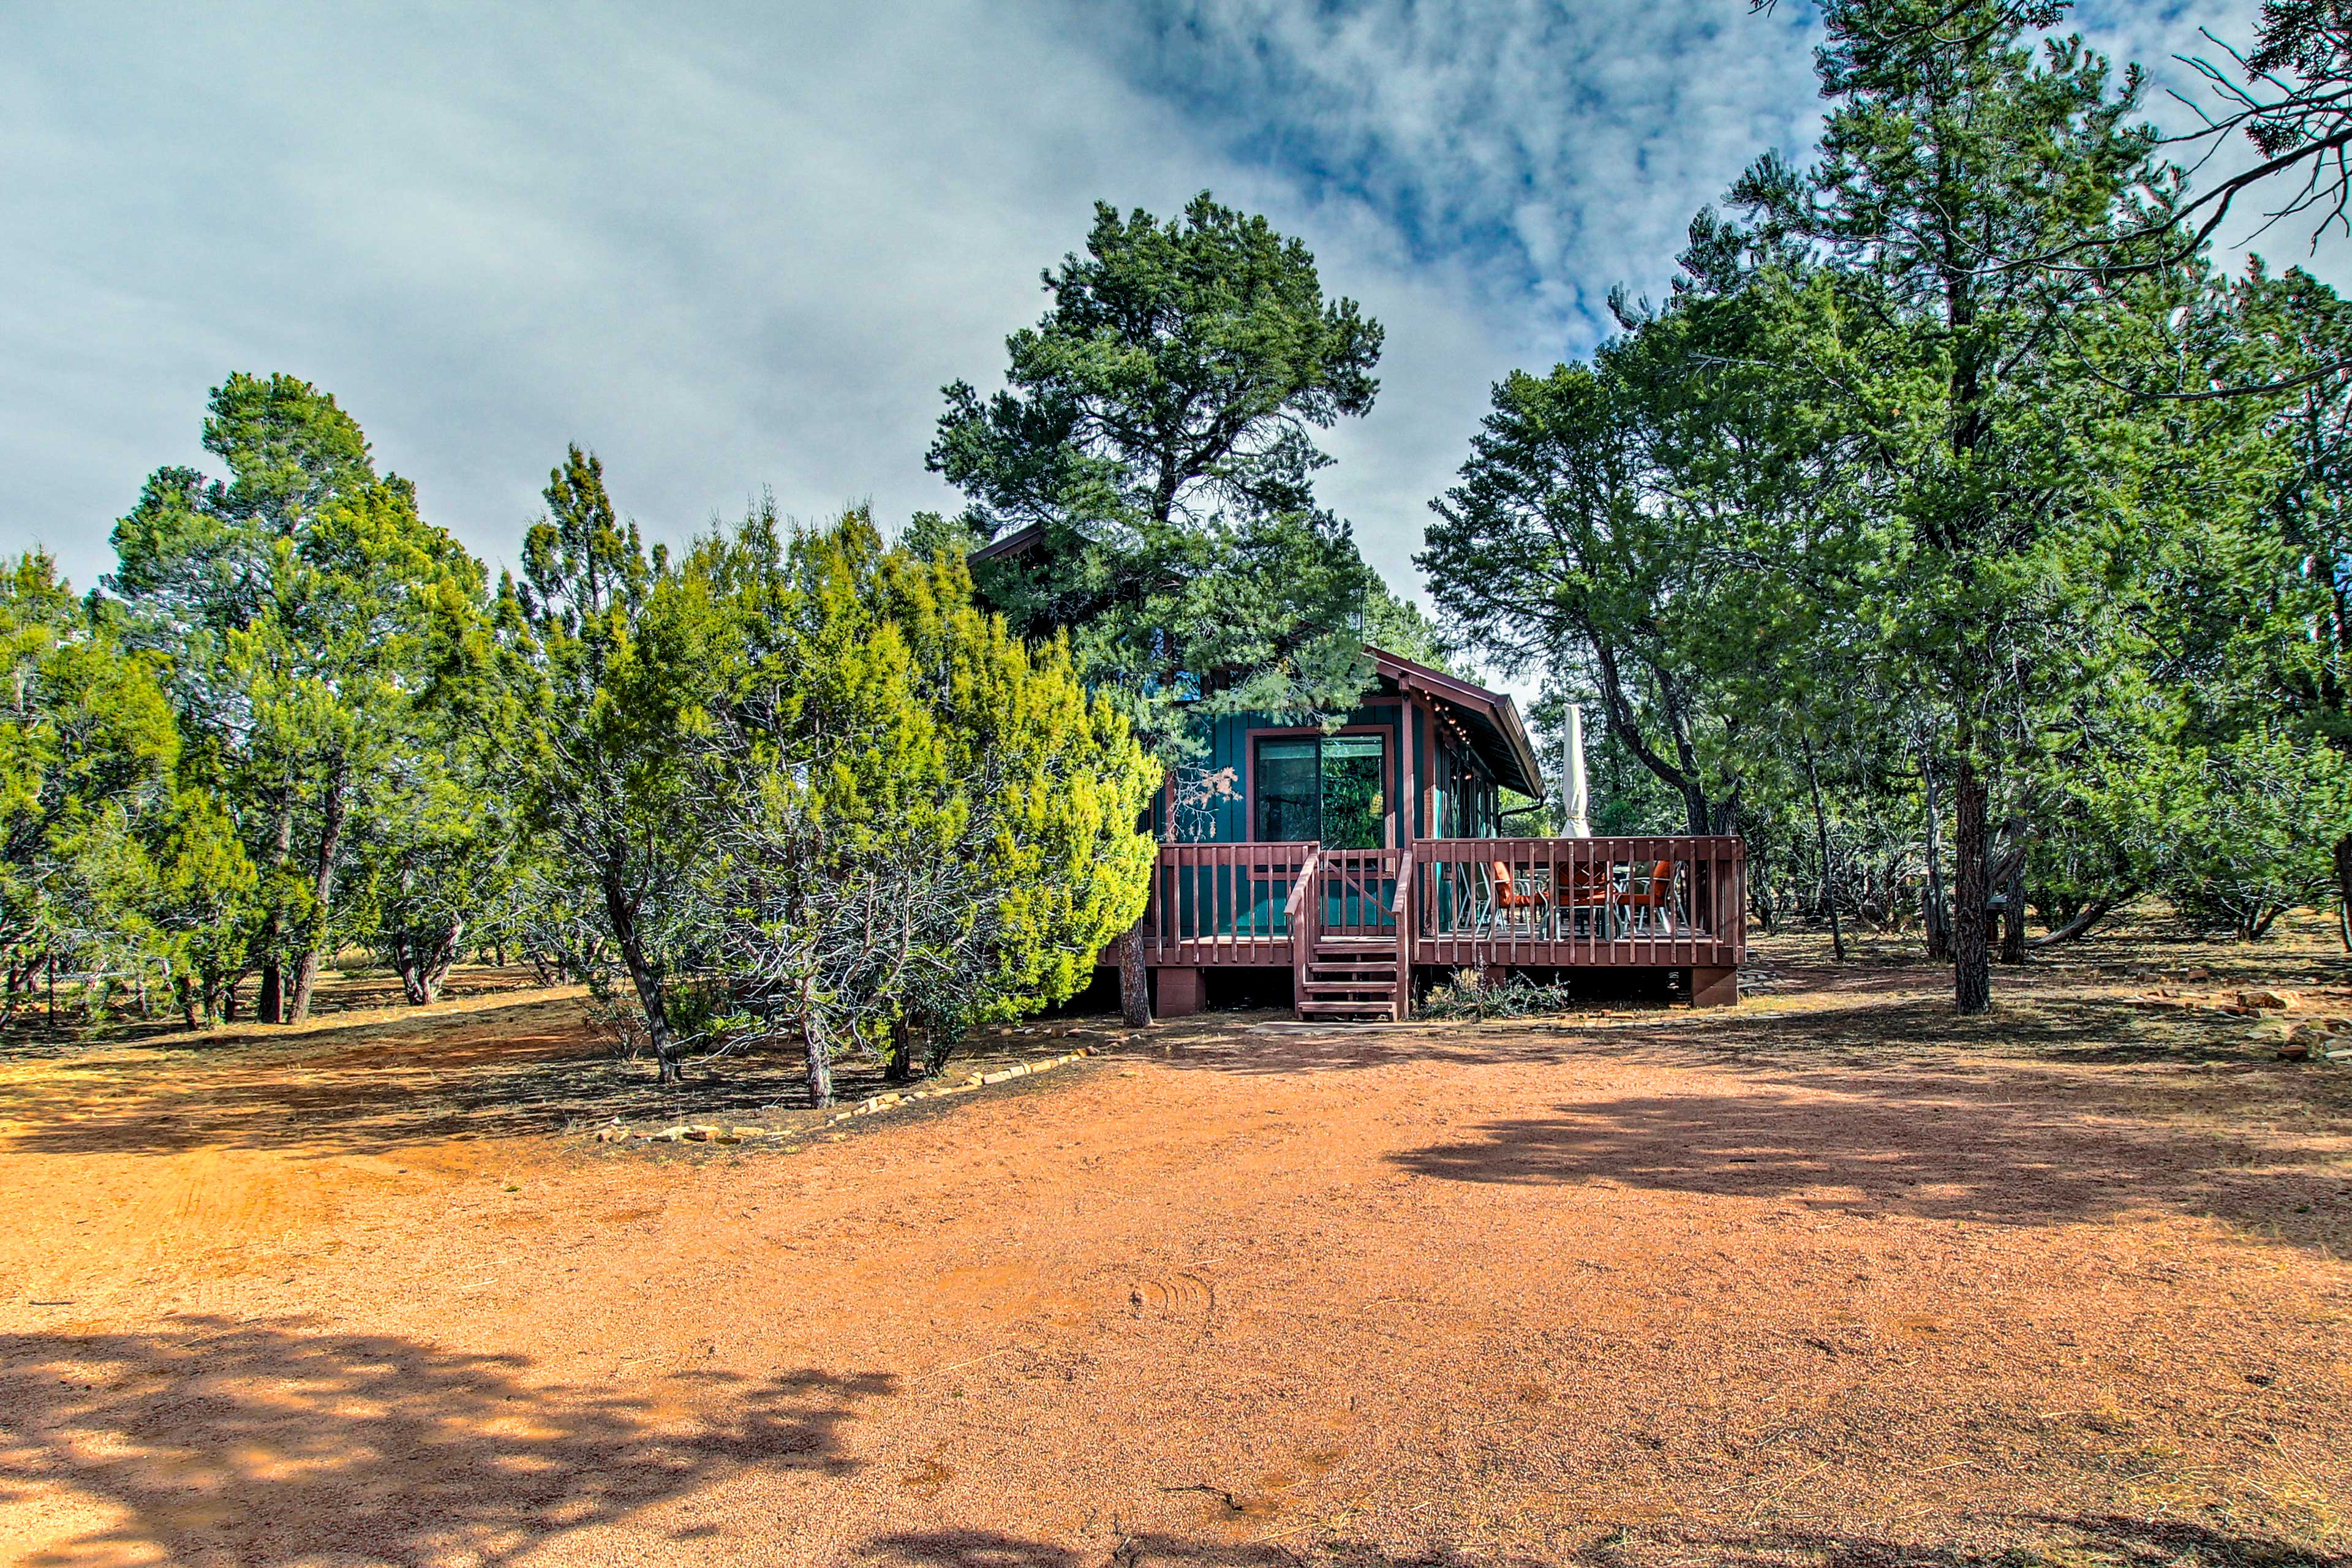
[1352,977]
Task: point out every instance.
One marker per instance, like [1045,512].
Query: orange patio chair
[1588,888]
[1513,902]
[1653,893]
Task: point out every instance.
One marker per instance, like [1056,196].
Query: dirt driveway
[1827,1278]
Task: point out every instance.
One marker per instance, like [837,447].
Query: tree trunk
[2012,919]
[1971,946]
[423,968]
[269,1005]
[2343,891]
[1933,913]
[1134,985]
[1821,838]
[647,985]
[899,1066]
[819,1060]
[652,1009]
[306,981]
[1694,809]
[939,1045]
[2089,915]
[645,980]
[437,971]
[269,1002]
[322,894]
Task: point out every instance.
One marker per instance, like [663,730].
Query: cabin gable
[1438,740]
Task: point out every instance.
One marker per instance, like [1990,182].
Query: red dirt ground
[1828,1278]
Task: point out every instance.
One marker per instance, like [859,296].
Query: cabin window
[1330,788]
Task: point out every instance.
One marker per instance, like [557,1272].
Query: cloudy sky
[735,248]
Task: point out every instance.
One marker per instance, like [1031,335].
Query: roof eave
[1497,708]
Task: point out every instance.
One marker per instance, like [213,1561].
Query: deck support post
[1180,991]
[1714,987]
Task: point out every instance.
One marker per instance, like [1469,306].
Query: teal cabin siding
[1433,785]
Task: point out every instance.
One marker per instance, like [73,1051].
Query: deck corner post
[1714,987]
[1180,991]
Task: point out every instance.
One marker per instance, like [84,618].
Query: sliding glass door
[1328,788]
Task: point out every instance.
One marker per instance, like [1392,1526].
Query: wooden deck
[1450,903]
[1628,903]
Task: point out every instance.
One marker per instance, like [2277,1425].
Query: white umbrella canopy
[1575,789]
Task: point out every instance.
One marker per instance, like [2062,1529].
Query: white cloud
[731,255]
[742,246]
[1561,150]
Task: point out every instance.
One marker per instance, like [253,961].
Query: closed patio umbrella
[1575,792]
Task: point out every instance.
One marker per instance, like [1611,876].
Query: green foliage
[927,823]
[2255,824]
[205,902]
[608,660]
[1156,433]
[301,606]
[110,864]
[1470,993]
[797,788]
[1399,627]
[1867,537]
[439,853]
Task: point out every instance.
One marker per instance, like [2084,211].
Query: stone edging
[711,1134]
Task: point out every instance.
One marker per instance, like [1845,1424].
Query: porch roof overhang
[1490,720]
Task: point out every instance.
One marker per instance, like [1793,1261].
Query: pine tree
[294,601]
[612,660]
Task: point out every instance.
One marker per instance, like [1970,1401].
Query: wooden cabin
[1359,857]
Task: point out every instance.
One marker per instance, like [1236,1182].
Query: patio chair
[1588,888]
[1514,902]
[1650,900]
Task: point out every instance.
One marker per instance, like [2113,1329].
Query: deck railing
[1359,889]
[1632,902]
[1662,902]
[1223,903]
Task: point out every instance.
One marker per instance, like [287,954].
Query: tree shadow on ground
[531,1068]
[988,1549]
[31,1034]
[2083,1542]
[1892,1105]
[2005,1153]
[1884,1023]
[259,1445]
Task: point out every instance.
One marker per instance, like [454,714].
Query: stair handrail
[1298,912]
[1397,909]
[1298,899]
